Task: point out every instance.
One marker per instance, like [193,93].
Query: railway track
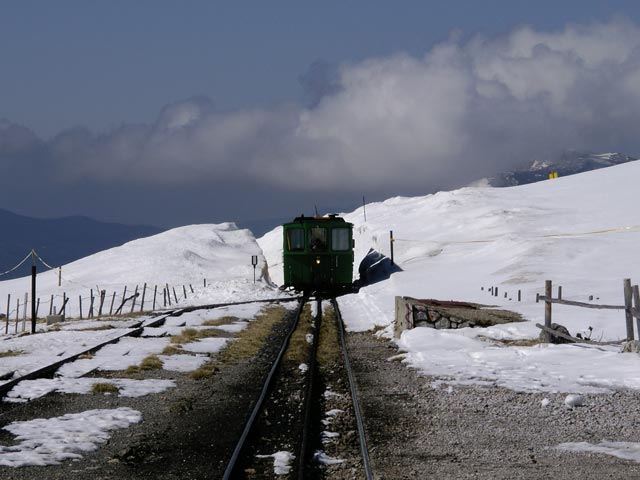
[305,411]
[47,371]
[294,429]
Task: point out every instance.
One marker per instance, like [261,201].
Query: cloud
[465,109]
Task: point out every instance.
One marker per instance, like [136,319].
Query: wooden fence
[631,308]
[95,305]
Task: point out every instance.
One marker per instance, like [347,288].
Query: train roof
[319,218]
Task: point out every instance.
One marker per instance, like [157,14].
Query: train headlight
[317,261]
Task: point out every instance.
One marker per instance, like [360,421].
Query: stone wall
[412,312]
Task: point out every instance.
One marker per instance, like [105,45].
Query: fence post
[519,295]
[24,316]
[191,287]
[17,313]
[184,291]
[80,304]
[6,330]
[33,297]
[113,299]
[547,306]
[144,291]
[133,303]
[155,291]
[90,315]
[103,293]
[627,307]
[51,305]
[391,245]
[174,294]
[559,292]
[636,301]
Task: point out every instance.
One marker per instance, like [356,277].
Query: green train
[318,255]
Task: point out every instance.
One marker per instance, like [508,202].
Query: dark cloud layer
[466,109]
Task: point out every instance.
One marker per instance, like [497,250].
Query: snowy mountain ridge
[568,163]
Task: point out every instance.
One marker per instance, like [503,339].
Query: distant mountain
[569,163]
[59,240]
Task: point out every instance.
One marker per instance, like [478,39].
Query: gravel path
[463,432]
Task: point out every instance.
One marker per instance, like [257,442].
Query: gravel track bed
[417,431]
[187,432]
[414,430]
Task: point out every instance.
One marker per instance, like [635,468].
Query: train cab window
[340,239]
[318,238]
[295,239]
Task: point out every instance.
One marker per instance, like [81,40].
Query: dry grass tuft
[329,351]
[204,371]
[96,329]
[104,387]
[186,336]
[376,328]
[226,320]
[247,343]
[298,345]
[189,335]
[11,353]
[152,362]
[172,350]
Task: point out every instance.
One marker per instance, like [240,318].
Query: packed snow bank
[184,256]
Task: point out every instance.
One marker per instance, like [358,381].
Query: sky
[173,113]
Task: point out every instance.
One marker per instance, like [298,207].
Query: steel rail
[352,385]
[233,461]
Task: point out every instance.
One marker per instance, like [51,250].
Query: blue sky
[197,97]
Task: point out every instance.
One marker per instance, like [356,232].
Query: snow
[50,441]
[579,231]
[624,450]
[183,256]
[281,461]
[206,345]
[30,389]
[572,401]
[323,459]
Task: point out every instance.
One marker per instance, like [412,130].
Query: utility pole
[33,291]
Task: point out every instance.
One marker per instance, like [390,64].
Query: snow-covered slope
[221,254]
[581,232]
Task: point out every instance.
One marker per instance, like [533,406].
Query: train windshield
[340,239]
[295,239]
[318,238]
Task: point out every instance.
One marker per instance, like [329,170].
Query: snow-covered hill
[221,254]
[581,232]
